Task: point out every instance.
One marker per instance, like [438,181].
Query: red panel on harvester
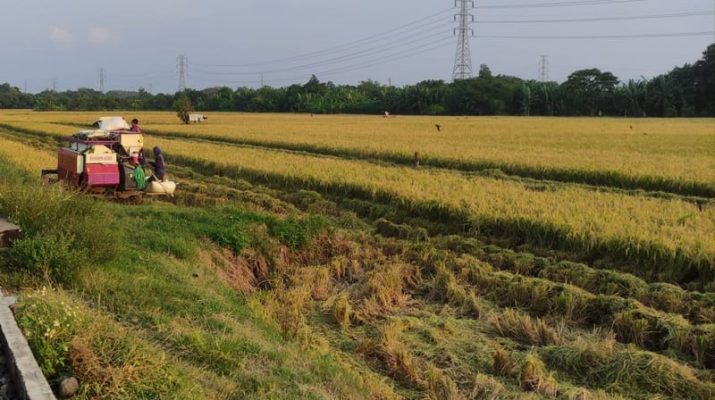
[102,175]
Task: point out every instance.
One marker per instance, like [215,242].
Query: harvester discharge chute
[104,161]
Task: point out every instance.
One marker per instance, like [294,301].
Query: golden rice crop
[593,220]
[673,149]
[28,158]
[677,149]
[587,215]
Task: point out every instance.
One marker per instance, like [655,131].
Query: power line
[397,56]
[643,35]
[337,48]
[335,60]
[442,43]
[617,18]
[140,75]
[560,4]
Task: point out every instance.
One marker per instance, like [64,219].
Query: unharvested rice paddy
[675,154]
[523,258]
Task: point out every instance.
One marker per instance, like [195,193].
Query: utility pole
[389,82]
[101,80]
[182,69]
[544,68]
[54,84]
[463,58]
[262,81]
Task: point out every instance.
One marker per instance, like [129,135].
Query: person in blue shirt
[158,164]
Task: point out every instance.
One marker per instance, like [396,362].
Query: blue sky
[137,42]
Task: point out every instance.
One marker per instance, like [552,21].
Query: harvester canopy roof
[112,124]
[96,134]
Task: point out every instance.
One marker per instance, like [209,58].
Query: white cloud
[59,35]
[99,35]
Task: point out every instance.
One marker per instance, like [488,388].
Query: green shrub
[296,232]
[62,230]
[50,319]
[51,257]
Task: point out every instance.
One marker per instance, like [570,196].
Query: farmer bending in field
[158,164]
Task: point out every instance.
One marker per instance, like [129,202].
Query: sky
[280,42]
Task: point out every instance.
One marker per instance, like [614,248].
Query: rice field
[385,280]
[651,154]
[641,233]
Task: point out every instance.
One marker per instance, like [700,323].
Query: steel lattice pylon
[463,58]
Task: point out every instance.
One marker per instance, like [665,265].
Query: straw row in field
[670,235]
[631,321]
[381,287]
[697,307]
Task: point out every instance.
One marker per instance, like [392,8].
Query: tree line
[683,92]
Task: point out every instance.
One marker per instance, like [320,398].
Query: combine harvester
[102,162]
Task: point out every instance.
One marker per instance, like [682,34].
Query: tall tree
[590,90]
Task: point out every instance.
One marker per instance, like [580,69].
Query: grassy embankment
[138,315]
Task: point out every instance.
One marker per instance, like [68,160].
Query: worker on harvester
[135,126]
[158,164]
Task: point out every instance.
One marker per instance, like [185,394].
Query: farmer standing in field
[139,175]
[158,164]
[137,129]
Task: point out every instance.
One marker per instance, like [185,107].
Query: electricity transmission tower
[463,58]
[182,69]
[544,68]
[101,80]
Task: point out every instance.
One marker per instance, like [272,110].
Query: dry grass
[441,386]
[385,290]
[503,364]
[342,310]
[396,356]
[533,377]
[523,328]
